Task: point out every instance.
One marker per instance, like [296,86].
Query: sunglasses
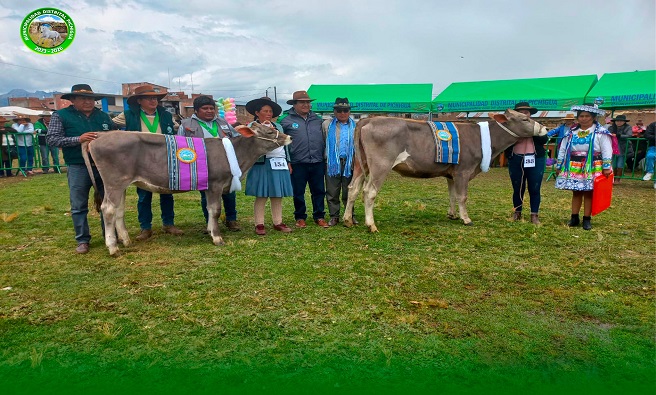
[342,109]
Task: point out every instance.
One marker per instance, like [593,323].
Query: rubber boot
[574,221]
[587,223]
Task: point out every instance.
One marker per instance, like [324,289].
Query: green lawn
[426,305]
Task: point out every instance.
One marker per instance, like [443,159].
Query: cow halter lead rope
[510,132]
[272,140]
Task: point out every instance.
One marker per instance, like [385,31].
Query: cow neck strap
[510,132]
[214,130]
[152,127]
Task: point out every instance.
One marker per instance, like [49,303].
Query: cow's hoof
[126,242]
[348,223]
[113,251]
[373,229]
[470,223]
[218,241]
[452,217]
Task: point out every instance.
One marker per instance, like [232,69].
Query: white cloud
[240,48]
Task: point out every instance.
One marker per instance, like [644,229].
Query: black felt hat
[257,104]
[523,105]
[83,90]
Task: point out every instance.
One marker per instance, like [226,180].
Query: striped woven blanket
[187,162]
[447,142]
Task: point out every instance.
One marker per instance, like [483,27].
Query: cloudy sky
[240,48]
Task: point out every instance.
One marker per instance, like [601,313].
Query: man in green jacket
[146,114]
[68,129]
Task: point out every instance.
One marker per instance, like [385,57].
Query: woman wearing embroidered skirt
[269,177]
[585,153]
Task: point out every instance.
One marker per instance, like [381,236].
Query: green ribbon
[214,130]
[152,127]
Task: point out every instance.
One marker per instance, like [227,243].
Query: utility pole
[275,94]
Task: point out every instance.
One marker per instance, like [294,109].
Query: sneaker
[172,229]
[145,235]
[259,230]
[647,176]
[233,226]
[82,248]
[282,228]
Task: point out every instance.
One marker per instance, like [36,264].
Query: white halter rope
[234,165]
[272,140]
[536,129]
[486,146]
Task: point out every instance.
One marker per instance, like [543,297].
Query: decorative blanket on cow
[447,142]
[187,160]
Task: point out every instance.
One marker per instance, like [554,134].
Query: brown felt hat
[299,95]
[83,90]
[142,91]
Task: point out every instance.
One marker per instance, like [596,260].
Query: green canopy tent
[624,90]
[548,94]
[373,98]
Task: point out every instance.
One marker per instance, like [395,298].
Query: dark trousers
[145,209]
[523,178]
[79,185]
[311,174]
[229,205]
[334,186]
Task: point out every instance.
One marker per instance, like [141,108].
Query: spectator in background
[147,115]
[638,129]
[651,152]
[622,131]
[68,129]
[7,146]
[338,133]
[306,150]
[24,142]
[566,124]
[205,123]
[41,129]
[526,163]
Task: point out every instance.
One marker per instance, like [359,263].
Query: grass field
[426,305]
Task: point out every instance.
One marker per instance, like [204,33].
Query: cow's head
[520,124]
[264,133]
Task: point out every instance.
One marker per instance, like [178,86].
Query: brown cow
[125,158]
[407,147]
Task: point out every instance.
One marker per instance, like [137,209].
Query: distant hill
[4,99]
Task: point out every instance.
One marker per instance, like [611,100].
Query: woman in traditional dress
[269,177]
[585,152]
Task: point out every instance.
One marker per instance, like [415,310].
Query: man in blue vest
[205,123]
[146,114]
[68,129]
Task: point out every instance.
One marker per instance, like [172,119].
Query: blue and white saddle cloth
[447,142]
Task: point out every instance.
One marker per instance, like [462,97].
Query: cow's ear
[501,118]
[245,131]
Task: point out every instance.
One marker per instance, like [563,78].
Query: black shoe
[574,221]
[587,223]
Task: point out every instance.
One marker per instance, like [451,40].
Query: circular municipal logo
[47,31]
[443,135]
[294,125]
[186,155]
[440,107]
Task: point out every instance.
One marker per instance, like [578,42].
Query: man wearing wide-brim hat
[338,133]
[620,128]
[24,142]
[145,114]
[68,129]
[307,151]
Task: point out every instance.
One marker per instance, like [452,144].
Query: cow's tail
[86,154]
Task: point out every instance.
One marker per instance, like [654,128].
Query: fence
[633,170]
[10,155]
